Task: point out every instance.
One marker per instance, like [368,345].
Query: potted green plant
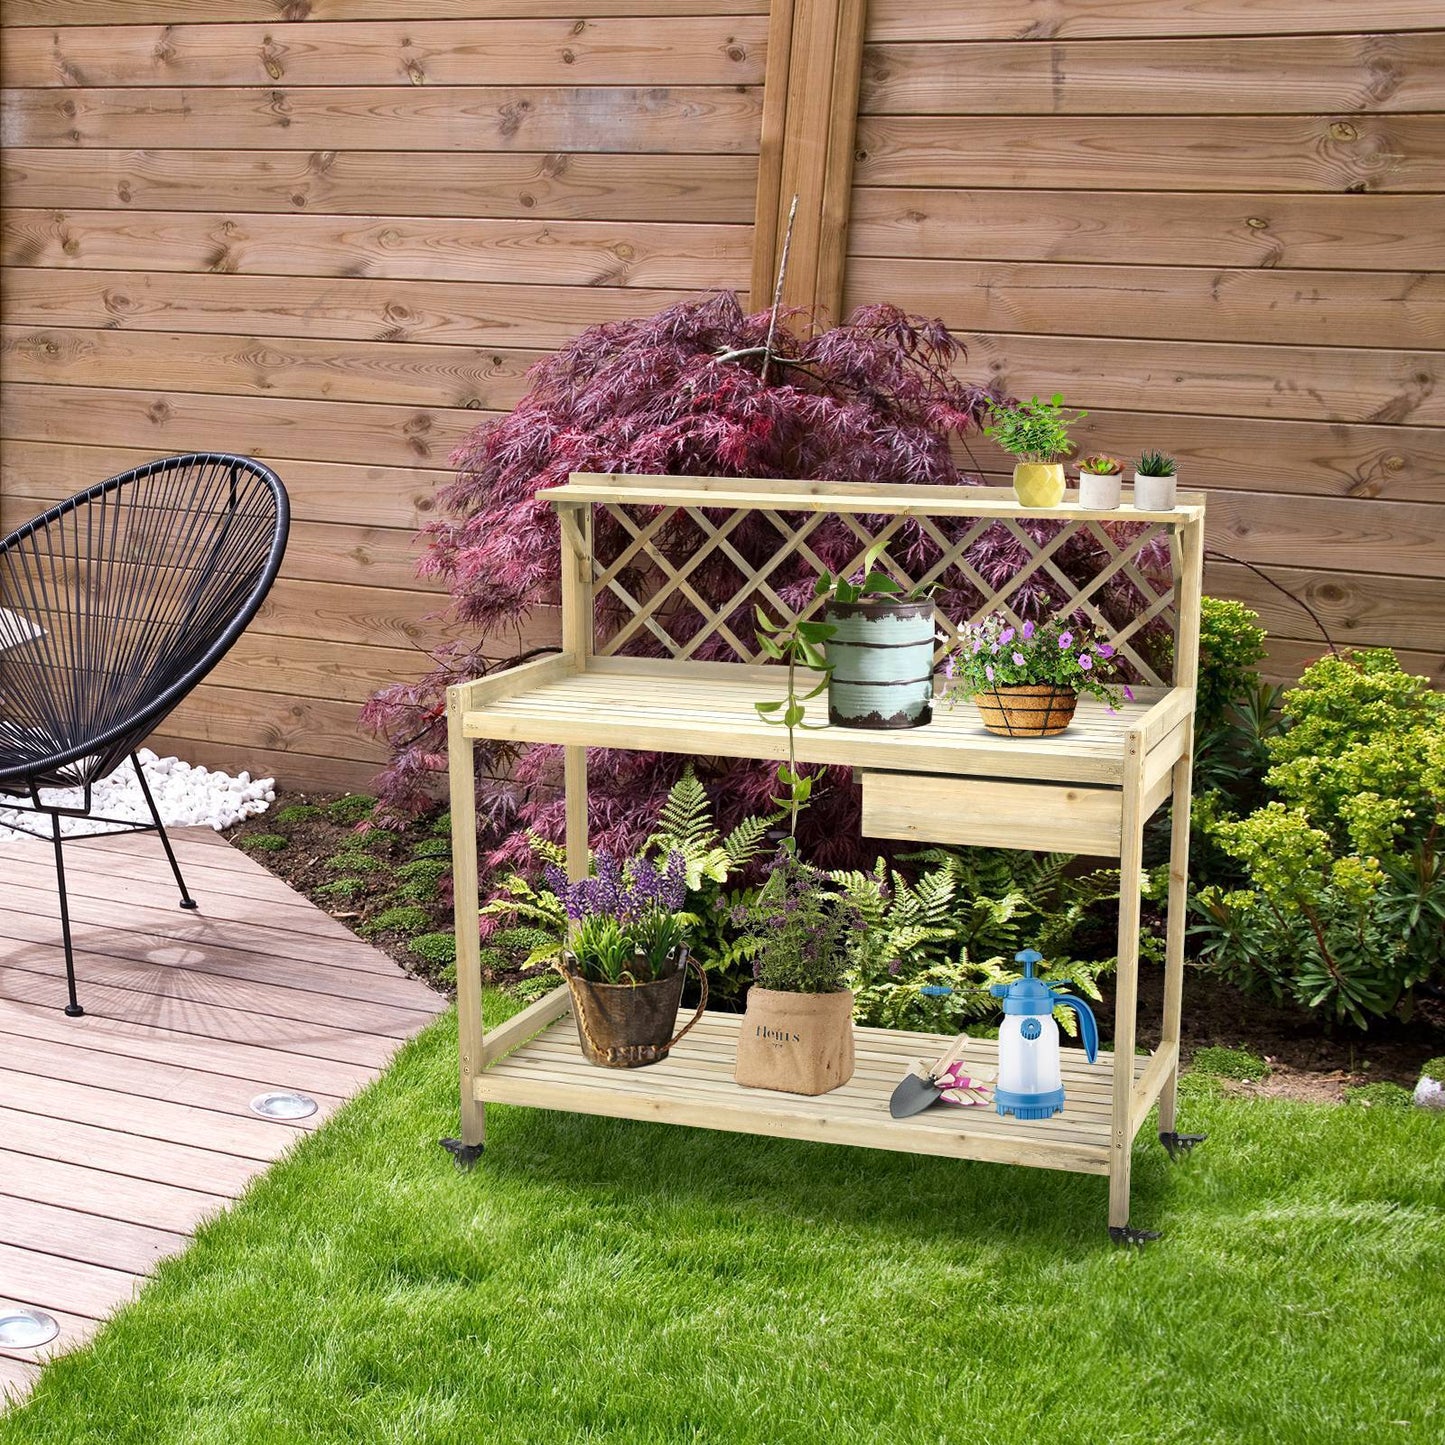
[1036,433]
[1025,678]
[1100,482]
[1155,483]
[625,957]
[799,932]
[879,649]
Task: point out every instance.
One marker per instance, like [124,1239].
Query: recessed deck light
[281,1104]
[22,1329]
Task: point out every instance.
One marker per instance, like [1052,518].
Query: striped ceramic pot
[882,660]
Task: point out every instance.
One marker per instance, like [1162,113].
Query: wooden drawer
[989,812]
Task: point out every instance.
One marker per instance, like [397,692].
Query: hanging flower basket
[1027,710]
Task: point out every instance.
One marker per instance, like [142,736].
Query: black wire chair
[113,606]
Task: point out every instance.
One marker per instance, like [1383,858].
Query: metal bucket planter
[1026,710]
[631,1025]
[796,1043]
[882,659]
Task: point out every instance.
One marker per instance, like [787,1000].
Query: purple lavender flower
[1066,641]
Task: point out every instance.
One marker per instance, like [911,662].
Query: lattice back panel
[682,580]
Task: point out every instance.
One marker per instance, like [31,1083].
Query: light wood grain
[1400,310]
[163,12]
[1329,73]
[476,119]
[1169,228]
[554,185]
[473,249]
[1108,153]
[623,50]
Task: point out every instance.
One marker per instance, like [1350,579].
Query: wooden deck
[121,1130]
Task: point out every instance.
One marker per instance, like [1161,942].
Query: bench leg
[461,769]
[1131,861]
[1178,918]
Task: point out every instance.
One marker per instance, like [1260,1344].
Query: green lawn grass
[605,1280]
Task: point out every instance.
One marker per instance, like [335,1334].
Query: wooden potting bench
[627,576]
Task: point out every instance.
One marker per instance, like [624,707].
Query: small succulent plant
[1154,464]
[1100,465]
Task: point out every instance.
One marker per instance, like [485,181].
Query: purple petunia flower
[1085,661]
[1007,635]
[1066,641]
[1028,630]
[1106,649]
[1128,692]
[988,671]
[1018,659]
[978,644]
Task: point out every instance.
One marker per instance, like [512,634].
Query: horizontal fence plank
[353,308]
[319,491]
[290,770]
[317,667]
[477,378]
[1354,308]
[557,185]
[1288,657]
[621,50]
[572,253]
[1079,19]
[163,12]
[1234,76]
[172,422]
[1244,453]
[1290,383]
[1389,611]
[476,119]
[1358,233]
[1118,153]
[278,721]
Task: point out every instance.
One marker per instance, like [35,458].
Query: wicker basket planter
[631,1025]
[796,1043]
[1027,710]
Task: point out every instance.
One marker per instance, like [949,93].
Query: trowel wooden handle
[950,1054]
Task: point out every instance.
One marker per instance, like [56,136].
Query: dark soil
[1309,1058]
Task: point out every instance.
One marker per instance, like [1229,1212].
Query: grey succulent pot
[882,657]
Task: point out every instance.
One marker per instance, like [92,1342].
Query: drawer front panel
[989,812]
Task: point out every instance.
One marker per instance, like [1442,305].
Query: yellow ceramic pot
[1039,484]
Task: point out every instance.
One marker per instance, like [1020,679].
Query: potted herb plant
[799,931]
[625,957]
[1037,434]
[1025,679]
[1155,483]
[1100,482]
[879,649]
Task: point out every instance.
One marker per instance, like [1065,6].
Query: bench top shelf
[708,709]
[695,1087]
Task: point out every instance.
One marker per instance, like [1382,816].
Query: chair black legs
[73,1008]
[186,900]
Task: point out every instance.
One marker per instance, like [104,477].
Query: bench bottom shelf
[695,1087]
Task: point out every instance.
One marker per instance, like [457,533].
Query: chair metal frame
[123,738]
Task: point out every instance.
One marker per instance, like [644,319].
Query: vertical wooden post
[810,113]
[1131,863]
[1186,674]
[461,770]
[577,639]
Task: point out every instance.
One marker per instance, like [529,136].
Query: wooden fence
[334,234]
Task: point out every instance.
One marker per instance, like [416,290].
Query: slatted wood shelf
[1088,790]
[694,1086]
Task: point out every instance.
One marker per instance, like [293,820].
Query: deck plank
[122,1130]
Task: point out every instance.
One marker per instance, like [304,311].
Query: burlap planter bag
[1026,709]
[627,1025]
[796,1043]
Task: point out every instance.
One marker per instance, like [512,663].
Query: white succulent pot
[1155,494]
[1098,492]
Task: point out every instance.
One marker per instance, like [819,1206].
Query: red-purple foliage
[684,392]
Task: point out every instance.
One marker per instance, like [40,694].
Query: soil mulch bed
[1310,1058]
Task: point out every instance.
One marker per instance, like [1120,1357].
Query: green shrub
[1237,1064]
[264,842]
[296,813]
[352,808]
[432,848]
[346,889]
[418,880]
[438,949]
[401,919]
[1340,902]
[441,825]
[354,861]
[1379,1096]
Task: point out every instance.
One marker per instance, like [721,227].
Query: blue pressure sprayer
[1029,1083]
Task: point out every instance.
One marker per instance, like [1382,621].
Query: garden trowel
[918,1089]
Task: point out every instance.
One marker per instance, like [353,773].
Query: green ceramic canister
[882,657]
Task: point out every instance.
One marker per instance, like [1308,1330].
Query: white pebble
[1430,1093]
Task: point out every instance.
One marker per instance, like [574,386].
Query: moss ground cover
[599,1280]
